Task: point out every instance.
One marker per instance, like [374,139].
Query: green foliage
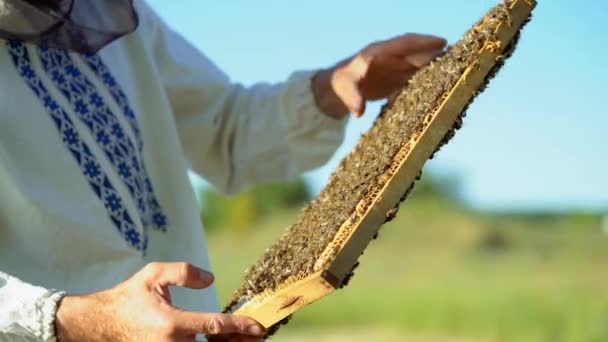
[438,272]
[446,186]
[441,273]
[239,213]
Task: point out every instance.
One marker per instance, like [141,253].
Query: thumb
[346,87]
[178,274]
[356,101]
[218,324]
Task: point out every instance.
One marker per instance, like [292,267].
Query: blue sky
[536,139]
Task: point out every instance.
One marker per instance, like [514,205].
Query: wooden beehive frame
[339,257]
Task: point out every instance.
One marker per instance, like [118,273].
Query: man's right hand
[140,309]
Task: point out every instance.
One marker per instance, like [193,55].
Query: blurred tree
[242,211]
[445,186]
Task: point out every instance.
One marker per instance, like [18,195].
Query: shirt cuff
[303,114]
[47,308]
[27,310]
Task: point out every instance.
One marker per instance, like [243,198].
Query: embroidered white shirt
[94,153]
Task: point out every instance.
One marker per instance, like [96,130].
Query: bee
[492,46]
[391,214]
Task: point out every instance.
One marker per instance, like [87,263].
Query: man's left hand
[375,73]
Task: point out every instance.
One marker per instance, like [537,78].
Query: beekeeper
[103,109]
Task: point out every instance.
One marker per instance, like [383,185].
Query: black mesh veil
[84,26]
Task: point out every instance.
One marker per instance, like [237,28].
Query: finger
[236,338]
[394,63]
[420,59]
[345,85]
[215,324]
[245,339]
[178,274]
[411,43]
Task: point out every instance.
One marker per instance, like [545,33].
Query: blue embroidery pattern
[107,131]
[101,70]
[81,152]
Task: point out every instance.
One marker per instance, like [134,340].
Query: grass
[442,273]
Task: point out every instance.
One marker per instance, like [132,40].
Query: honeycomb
[360,176]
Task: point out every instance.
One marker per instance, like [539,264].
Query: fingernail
[255,330]
[205,276]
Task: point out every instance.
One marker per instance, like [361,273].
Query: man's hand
[140,309]
[373,74]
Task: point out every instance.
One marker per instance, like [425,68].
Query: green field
[443,273]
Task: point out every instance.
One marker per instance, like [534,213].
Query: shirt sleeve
[235,135]
[27,312]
